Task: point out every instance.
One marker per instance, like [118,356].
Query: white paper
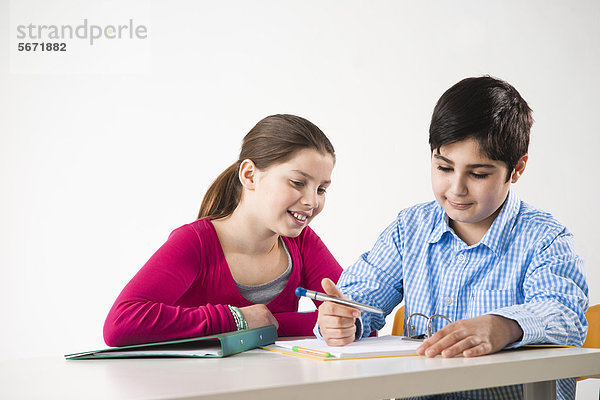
[368,347]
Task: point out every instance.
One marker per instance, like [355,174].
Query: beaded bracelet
[240,321]
[238,317]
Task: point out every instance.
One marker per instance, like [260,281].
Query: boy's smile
[470,187]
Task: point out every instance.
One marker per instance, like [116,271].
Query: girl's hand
[258,315]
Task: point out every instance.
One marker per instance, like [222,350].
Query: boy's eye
[444,169]
[479,176]
[321,190]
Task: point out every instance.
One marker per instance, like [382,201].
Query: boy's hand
[336,321]
[258,315]
[472,337]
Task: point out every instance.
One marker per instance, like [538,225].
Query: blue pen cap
[300,291]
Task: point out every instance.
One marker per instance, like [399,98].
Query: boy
[505,272]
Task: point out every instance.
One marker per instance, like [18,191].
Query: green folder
[219,345]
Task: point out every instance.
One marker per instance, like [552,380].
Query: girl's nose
[311,199]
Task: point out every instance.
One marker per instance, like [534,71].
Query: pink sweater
[185,287]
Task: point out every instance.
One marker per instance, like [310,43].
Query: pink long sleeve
[149,308]
[185,287]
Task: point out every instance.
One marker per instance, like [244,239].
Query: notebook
[383,346]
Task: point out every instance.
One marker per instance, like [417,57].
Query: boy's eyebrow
[441,157]
[481,166]
[308,176]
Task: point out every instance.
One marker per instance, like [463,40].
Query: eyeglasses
[411,331]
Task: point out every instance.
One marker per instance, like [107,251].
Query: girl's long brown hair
[273,140]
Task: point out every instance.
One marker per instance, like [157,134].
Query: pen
[297,349]
[324,297]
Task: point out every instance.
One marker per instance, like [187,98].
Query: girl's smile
[299,217]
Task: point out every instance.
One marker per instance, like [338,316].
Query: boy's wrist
[516,333]
[510,329]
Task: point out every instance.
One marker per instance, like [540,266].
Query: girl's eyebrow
[471,166]
[307,176]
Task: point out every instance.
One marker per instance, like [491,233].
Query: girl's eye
[444,169]
[297,183]
[479,176]
[321,190]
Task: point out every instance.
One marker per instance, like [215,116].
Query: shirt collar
[496,235]
[440,224]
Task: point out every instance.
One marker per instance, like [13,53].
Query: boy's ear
[247,174]
[519,169]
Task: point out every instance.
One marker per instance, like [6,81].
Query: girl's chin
[293,232]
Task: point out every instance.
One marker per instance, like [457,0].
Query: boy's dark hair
[488,110]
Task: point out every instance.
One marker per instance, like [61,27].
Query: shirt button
[461,257]
[448,300]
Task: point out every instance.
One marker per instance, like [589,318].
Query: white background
[108,149]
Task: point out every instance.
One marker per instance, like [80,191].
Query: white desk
[260,374]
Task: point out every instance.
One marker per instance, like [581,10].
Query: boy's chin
[460,216]
[475,221]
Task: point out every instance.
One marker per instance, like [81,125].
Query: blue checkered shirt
[524,268]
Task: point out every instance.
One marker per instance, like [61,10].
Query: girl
[238,265]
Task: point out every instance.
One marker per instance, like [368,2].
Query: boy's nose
[458,187]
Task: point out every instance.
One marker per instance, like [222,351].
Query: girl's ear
[519,169]
[247,174]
